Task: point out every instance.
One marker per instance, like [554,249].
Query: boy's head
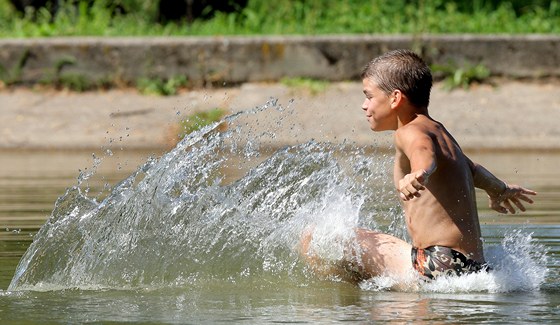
[403,70]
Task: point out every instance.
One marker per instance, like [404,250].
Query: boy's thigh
[383,254]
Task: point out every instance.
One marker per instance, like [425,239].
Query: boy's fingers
[407,194]
[497,207]
[509,207]
[406,189]
[518,204]
[413,190]
[526,199]
[417,185]
[500,209]
[410,185]
[526,191]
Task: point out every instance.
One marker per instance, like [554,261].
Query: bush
[135,17]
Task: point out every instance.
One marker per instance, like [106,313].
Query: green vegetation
[140,18]
[199,120]
[67,80]
[157,86]
[463,76]
[12,76]
[314,86]
[70,81]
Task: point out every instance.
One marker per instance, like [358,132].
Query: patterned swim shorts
[434,261]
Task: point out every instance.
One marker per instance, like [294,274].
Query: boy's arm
[419,148]
[502,196]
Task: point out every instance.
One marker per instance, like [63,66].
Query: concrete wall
[265,58]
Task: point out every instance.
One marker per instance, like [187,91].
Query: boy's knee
[305,242]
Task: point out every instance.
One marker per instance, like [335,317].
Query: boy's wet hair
[403,70]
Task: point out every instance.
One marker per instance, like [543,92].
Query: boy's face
[377,105]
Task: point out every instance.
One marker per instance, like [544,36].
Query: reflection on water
[31,182]
[319,303]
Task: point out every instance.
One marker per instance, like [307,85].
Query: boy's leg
[379,254]
[383,254]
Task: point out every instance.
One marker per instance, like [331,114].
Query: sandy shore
[509,115]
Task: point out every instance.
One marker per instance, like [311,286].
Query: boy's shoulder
[410,133]
[421,130]
[419,125]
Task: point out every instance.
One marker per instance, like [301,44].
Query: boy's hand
[411,184]
[512,194]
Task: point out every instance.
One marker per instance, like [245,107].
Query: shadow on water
[212,228]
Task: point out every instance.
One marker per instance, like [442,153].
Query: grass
[464,76]
[309,17]
[199,120]
[158,86]
[314,86]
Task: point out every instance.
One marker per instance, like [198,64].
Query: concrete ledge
[220,60]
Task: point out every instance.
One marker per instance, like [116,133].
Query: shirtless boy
[435,180]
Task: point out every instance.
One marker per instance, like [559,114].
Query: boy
[435,180]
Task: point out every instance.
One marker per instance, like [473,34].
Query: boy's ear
[396,98]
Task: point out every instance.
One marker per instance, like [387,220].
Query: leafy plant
[457,77]
[162,87]
[74,81]
[12,76]
[67,80]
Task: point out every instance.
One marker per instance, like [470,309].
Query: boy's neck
[409,113]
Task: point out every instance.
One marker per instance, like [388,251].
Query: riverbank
[511,115]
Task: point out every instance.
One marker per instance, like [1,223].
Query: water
[209,233]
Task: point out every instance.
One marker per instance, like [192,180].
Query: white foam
[334,225]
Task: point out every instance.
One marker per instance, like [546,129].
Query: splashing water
[176,222]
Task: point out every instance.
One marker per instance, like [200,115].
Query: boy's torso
[445,214]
